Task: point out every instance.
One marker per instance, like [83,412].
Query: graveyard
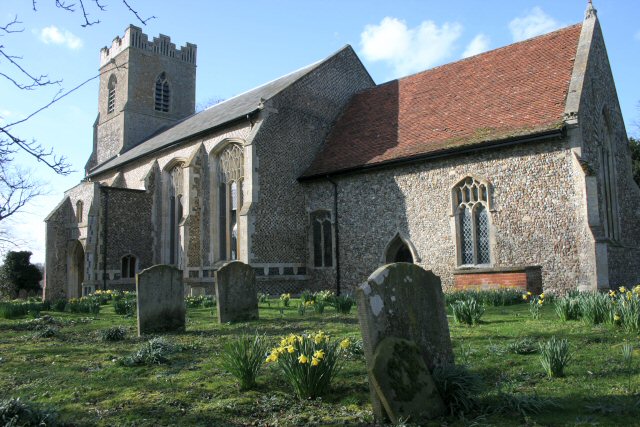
[78,364]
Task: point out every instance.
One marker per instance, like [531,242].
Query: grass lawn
[77,375]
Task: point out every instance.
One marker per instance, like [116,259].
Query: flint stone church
[509,168]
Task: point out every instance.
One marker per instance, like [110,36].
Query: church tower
[144,87]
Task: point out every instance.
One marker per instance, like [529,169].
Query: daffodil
[345,343]
[616,318]
[622,289]
[290,349]
[315,361]
[542,295]
[303,359]
[540,302]
[318,354]
[525,297]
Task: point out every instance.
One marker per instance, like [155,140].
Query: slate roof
[510,92]
[219,115]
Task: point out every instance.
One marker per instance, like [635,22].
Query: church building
[510,168]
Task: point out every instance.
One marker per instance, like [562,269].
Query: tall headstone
[160,295]
[236,293]
[402,300]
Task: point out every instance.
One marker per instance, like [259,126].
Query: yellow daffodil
[345,343]
[315,361]
[540,302]
[542,295]
[616,318]
[303,359]
[290,349]
[525,297]
[318,354]
[529,293]
[622,289]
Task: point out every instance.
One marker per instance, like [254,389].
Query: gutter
[508,142]
[337,231]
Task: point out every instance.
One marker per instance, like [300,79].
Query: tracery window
[175,191]
[322,237]
[128,269]
[471,201]
[111,94]
[230,178]
[162,93]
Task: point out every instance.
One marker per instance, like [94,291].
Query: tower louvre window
[111,96]
[162,93]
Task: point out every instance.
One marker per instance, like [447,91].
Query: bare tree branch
[7,28]
[144,21]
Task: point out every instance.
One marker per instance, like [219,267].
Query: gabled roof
[515,91]
[216,116]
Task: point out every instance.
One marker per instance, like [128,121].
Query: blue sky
[242,44]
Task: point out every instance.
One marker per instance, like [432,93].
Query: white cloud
[536,22]
[408,50]
[479,44]
[54,35]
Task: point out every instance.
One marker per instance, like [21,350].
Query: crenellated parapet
[161,45]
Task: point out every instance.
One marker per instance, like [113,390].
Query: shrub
[626,306]
[244,357]
[156,351]
[114,333]
[125,307]
[524,345]
[343,303]
[467,311]
[594,307]
[15,412]
[554,356]
[83,305]
[306,296]
[13,309]
[567,308]
[319,306]
[458,387]
[209,301]
[309,362]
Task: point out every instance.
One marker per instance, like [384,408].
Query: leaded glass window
[322,235]
[471,199]
[162,94]
[230,177]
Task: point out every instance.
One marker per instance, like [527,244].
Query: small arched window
[162,93]
[471,201]
[322,237]
[128,269]
[111,95]
[79,210]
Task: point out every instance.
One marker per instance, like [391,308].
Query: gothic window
[175,191]
[111,95]
[610,221]
[322,238]
[230,178]
[162,93]
[128,269]
[79,209]
[471,202]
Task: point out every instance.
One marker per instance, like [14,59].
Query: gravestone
[403,382]
[236,293]
[160,299]
[402,300]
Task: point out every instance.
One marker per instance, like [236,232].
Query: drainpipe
[104,240]
[337,231]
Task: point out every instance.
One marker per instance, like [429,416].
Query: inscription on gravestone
[160,299]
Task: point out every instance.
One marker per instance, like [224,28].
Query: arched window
[230,177]
[322,237]
[162,93]
[471,201]
[175,193]
[79,210]
[128,269]
[608,184]
[111,95]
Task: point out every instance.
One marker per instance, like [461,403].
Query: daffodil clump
[535,303]
[285,299]
[309,362]
[625,308]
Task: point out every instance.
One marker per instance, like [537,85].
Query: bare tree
[17,188]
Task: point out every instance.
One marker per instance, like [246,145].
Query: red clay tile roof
[509,92]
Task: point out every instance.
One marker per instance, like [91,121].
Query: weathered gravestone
[404,301]
[236,293]
[160,295]
[403,382]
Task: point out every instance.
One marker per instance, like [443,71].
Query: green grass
[78,375]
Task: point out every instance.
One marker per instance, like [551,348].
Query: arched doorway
[398,250]
[76,269]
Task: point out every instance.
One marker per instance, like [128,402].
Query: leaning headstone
[236,293]
[403,382]
[404,301]
[160,295]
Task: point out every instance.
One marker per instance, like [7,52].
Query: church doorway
[398,251]
[76,269]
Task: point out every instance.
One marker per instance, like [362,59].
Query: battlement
[161,45]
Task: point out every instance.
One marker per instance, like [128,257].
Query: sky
[243,44]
